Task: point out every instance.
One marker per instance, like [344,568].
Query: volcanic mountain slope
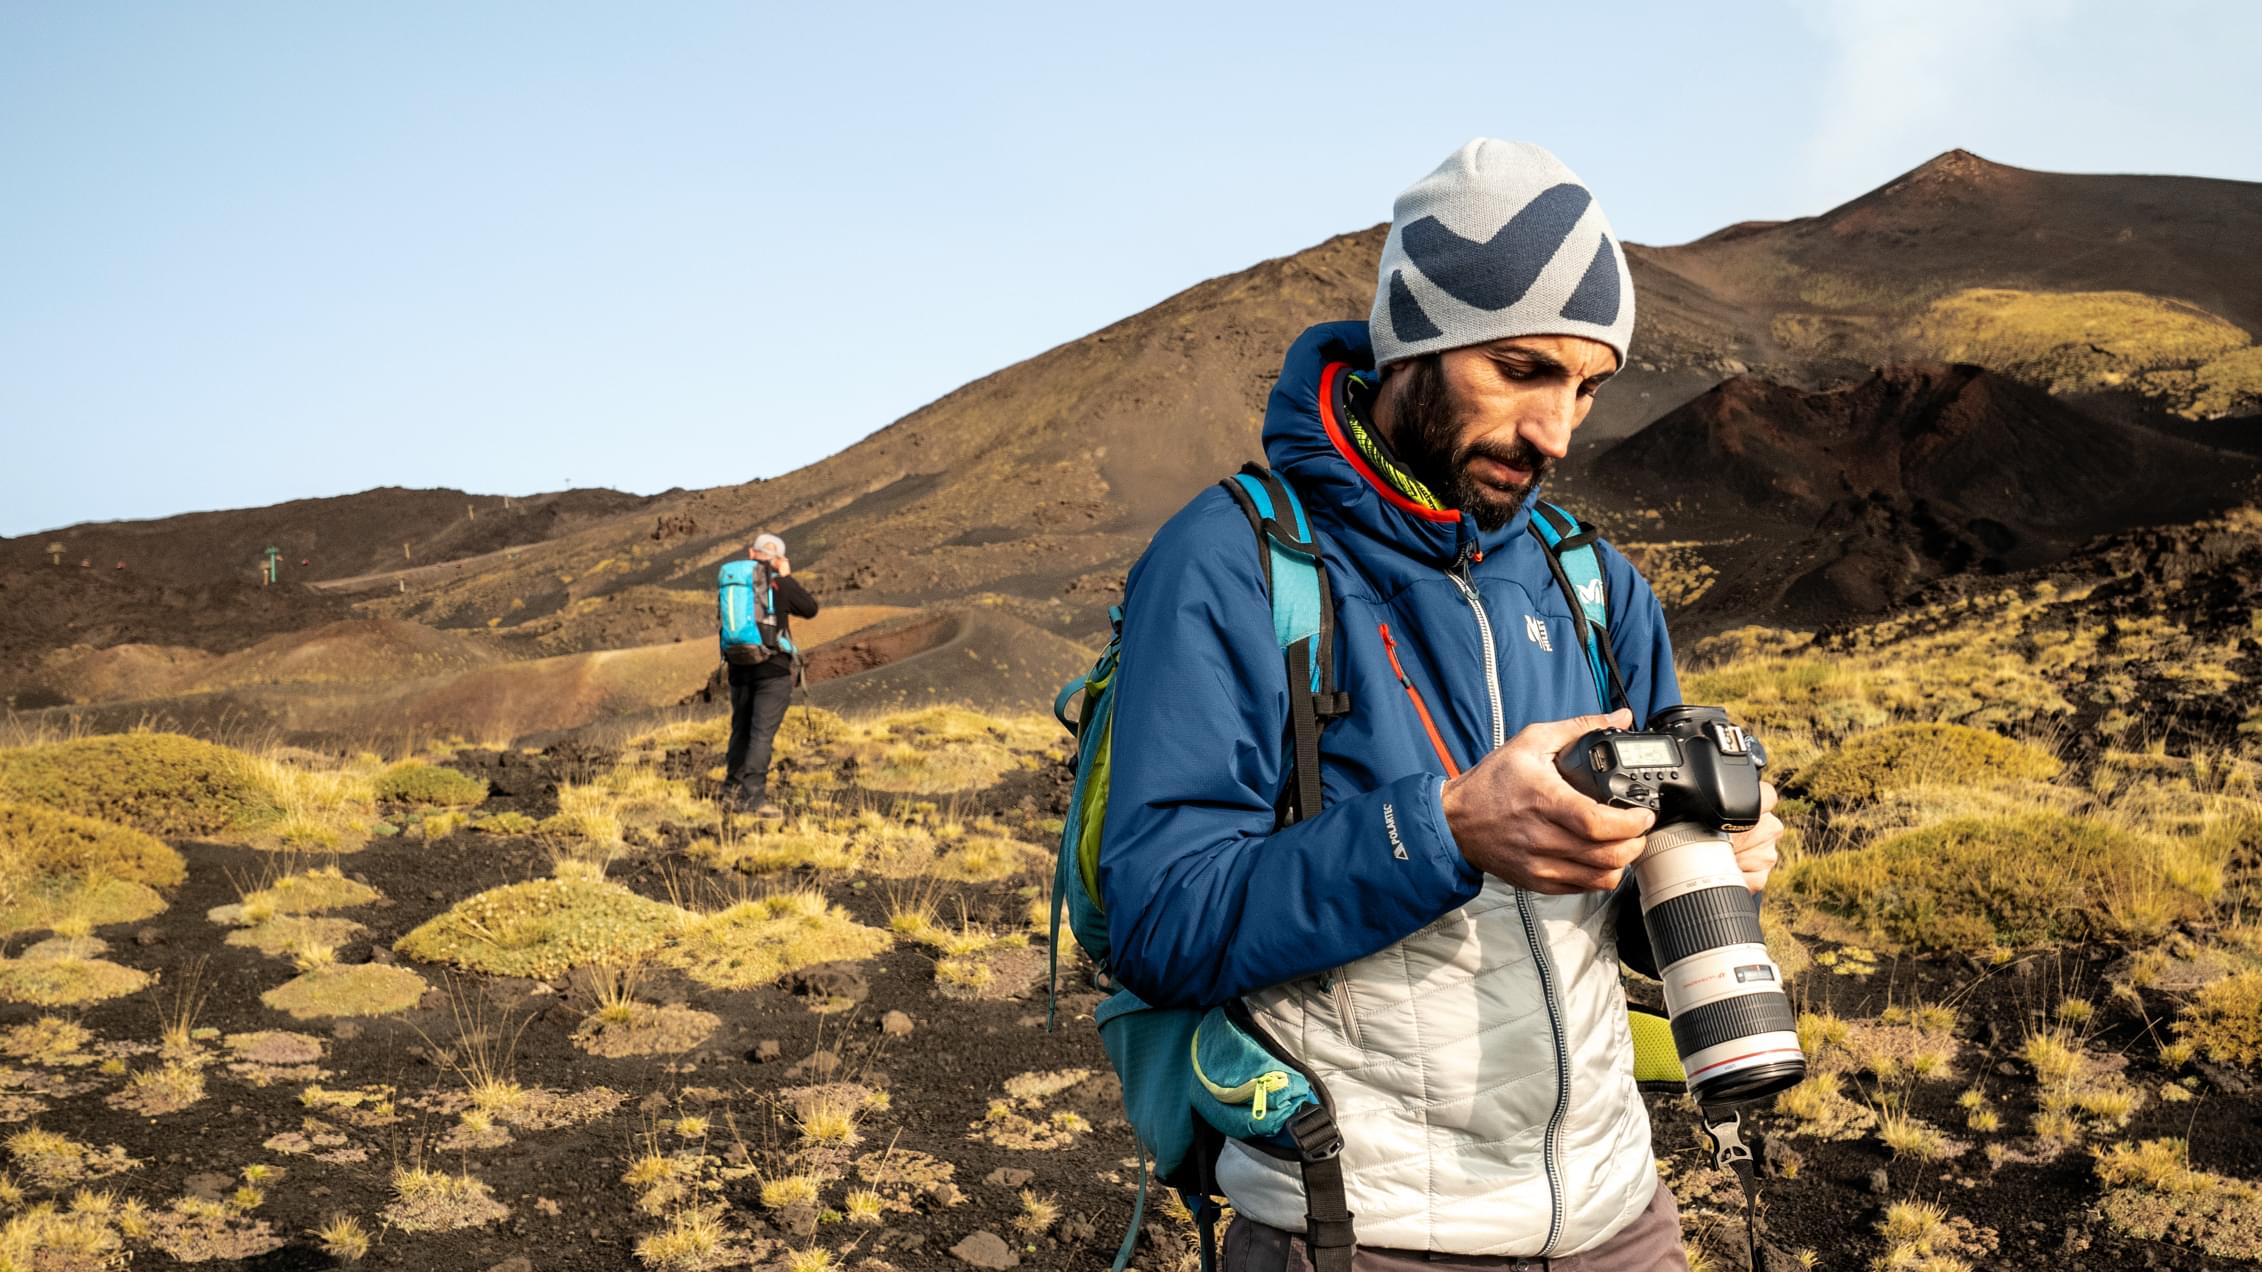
[331,538]
[1033,489]
[1042,481]
[1814,506]
[2079,282]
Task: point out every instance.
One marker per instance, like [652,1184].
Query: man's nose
[1549,422]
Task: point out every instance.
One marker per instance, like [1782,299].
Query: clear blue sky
[259,251]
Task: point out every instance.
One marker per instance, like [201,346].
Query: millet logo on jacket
[1537,630]
[1390,826]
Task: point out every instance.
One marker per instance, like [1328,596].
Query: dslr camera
[1700,773]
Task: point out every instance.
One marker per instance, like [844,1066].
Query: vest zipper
[1549,1154]
[1339,985]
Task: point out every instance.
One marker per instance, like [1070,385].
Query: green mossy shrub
[544,928]
[59,868]
[161,783]
[510,823]
[429,785]
[67,982]
[355,989]
[1904,755]
[45,841]
[1978,883]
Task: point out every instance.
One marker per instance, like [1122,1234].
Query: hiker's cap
[769,543]
[1501,240]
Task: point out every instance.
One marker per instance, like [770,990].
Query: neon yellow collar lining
[1371,449]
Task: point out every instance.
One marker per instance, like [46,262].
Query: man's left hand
[1755,848]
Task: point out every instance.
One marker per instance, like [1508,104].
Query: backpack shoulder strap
[1303,620]
[1578,572]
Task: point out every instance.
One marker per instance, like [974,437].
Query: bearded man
[1439,942]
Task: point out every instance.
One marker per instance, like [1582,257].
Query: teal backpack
[746,605]
[1194,1078]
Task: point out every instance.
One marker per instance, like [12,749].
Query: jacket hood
[1304,439]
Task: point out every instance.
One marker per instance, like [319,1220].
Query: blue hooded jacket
[1206,898]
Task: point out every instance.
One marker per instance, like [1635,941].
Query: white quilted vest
[1466,1130]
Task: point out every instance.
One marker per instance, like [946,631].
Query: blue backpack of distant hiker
[746,599]
[1194,1078]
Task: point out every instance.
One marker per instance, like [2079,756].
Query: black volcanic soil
[942,1077]
[2038,1209]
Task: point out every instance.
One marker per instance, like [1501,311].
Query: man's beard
[1429,425]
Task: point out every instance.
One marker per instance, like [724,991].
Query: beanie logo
[1406,316]
[1494,274]
[1596,299]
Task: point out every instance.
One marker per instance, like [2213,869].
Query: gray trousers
[1651,1243]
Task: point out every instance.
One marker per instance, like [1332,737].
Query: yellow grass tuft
[1820,1107]
[433,1201]
[2055,1057]
[944,750]
[628,803]
[1038,1214]
[757,941]
[2225,1020]
[1909,1137]
[155,1092]
[787,1191]
[342,1237]
[863,1206]
[54,1160]
[1919,1237]
[797,845]
[49,1040]
[2153,1192]
[694,1240]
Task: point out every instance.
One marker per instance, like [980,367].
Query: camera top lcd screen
[1646,753]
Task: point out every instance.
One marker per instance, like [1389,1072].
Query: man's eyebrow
[1540,361]
[1544,361]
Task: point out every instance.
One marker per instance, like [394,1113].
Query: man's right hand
[1514,816]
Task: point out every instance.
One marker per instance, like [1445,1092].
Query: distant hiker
[1420,918]
[756,599]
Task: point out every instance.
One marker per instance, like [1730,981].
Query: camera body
[1693,764]
[1700,773]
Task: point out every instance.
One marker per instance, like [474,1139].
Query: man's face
[1479,426]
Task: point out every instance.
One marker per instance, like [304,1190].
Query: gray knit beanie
[1502,240]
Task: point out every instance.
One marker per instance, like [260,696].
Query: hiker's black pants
[759,695]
